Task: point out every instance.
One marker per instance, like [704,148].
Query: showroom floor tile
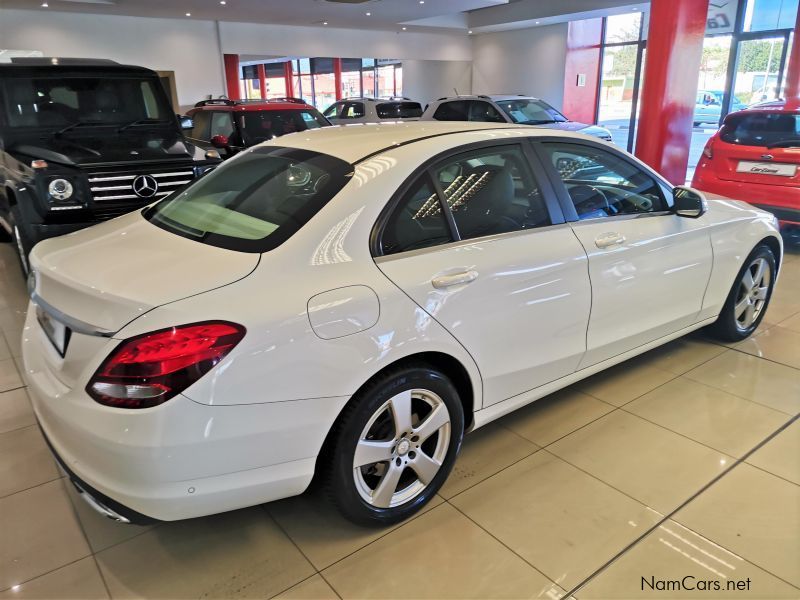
[646,470]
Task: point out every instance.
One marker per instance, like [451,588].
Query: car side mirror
[689,202]
[186,122]
[220,141]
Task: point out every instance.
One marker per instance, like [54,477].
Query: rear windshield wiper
[138,122]
[795,143]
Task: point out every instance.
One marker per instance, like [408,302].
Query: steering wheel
[588,198]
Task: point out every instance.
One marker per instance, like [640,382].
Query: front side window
[417,221]
[399,110]
[603,184]
[59,102]
[255,202]
[491,191]
[352,110]
[221,124]
[259,126]
[484,112]
[332,111]
[765,129]
[527,111]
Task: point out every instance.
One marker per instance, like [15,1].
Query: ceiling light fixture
[223,2]
[369,14]
[470,31]
[188,14]
[45,5]
[324,22]
[422,1]
[404,28]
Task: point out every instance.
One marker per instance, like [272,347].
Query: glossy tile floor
[682,463]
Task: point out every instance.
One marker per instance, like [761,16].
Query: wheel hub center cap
[403,447]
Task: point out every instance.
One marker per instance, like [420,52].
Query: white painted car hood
[107,275]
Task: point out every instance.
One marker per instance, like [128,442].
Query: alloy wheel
[752,293]
[401,448]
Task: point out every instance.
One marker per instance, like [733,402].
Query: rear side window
[256,202]
[399,110]
[202,125]
[603,184]
[457,110]
[417,221]
[762,129]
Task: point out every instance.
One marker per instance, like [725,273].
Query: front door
[476,245]
[648,267]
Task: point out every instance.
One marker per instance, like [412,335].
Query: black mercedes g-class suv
[82,141]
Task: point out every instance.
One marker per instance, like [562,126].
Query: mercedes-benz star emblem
[145,186]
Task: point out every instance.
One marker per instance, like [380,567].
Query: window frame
[565,200]
[537,171]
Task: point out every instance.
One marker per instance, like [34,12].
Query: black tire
[19,238]
[347,486]
[728,327]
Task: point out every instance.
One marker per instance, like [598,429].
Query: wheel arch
[774,245]
[441,361]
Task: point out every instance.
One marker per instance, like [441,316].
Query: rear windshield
[399,110]
[768,129]
[255,201]
[84,102]
[259,126]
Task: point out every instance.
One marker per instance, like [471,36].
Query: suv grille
[137,186]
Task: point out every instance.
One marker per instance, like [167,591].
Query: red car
[233,125]
[755,157]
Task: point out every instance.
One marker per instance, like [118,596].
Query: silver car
[521,110]
[373,110]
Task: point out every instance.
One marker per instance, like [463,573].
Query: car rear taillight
[708,151]
[149,369]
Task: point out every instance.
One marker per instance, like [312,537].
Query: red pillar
[262,80]
[674,52]
[231,62]
[583,66]
[287,74]
[337,77]
[793,70]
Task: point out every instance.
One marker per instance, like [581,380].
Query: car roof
[790,106]
[355,142]
[376,100]
[493,97]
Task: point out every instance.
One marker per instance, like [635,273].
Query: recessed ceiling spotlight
[422,1]
[223,2]
[404,28]
[45,5]
[537,22]
[369,14]
[188,14]
[470,31]
[324,22]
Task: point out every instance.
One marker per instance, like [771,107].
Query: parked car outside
[82,141]
[348,304]
[708,106]
[230,126]
[755,156]
[373,110]
[520,110]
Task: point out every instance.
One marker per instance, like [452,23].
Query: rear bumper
[782,201]
[178,460]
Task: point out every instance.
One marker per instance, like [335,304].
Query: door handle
[443,281]
[607,240]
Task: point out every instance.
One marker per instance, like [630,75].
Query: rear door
[761,147]
[648,267]
[479,243]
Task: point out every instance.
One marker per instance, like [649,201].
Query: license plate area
[766,168]
[57,333]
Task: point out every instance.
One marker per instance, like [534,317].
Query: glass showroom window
[351,77]
[276,80]
[303,86]
[386,86]
[368,77]
[324,82]
[767,15]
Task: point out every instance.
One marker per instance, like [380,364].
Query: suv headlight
[60,189]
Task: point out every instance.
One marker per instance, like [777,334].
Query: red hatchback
[755,157]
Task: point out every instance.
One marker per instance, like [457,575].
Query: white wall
[426,80]
[283,40]
[523,61]
[187,47]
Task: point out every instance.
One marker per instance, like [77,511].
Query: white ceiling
[385,14]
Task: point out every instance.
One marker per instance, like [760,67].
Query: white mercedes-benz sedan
[346,303]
